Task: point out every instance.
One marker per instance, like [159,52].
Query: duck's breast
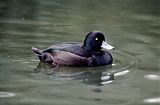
[102,59]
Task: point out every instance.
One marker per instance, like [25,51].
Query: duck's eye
[96,38]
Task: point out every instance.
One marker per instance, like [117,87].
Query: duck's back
[72,47]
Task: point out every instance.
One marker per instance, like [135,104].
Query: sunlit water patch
[152,100]
[152,77]
[6,94]
[121,73]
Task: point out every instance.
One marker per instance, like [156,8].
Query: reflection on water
[88,76]
[132,26]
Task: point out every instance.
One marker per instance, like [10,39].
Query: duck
[91,53]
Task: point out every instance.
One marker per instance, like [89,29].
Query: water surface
[131,26]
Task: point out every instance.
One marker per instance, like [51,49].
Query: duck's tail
[36,51]
[44,57]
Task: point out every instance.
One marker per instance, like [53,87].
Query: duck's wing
[63,58]
[72,47]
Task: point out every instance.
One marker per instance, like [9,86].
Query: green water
[131,26]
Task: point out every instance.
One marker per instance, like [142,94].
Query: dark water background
[131,26]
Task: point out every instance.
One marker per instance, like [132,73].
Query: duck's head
[95,41]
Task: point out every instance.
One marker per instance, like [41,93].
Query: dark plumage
[89,53]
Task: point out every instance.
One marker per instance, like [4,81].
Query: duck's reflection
[97,78]
[90,76]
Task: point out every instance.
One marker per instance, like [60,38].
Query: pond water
[131,26]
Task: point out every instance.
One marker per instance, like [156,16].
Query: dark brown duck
[76,54]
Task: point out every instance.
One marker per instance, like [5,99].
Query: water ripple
[121,73]
[122,63]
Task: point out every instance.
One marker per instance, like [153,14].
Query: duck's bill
[106,46]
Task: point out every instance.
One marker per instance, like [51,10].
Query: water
[131,26]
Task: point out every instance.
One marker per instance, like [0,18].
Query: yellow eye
[96,39]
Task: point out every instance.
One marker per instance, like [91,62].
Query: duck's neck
[90,50]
